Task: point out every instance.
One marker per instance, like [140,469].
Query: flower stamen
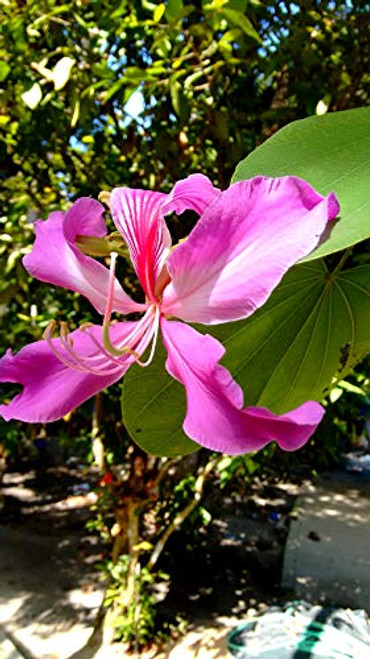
[131,339]
[112,279]
[153,338]
[78,363]
[133,345]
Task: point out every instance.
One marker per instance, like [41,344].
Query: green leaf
[239,19]
[116,87]
[153,409]
[332,152]
[4,70]
[315,326]
[158,12]
[179,100]
[174,9]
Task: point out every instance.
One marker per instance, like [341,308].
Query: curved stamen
[138,330]
[84,362]
[47,336]
[112,279]
[131,346]
[102,352]
[131,339]
[78,364]
[155,330]
[101,347]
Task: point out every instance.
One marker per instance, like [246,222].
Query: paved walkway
[327,556]
[50,590]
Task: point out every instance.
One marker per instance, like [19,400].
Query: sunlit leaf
[33,96]
[332,152]
[4,70]
[158,12]
[239,19]
[76,113]
[62,72]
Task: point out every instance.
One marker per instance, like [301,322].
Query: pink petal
[138,216]
[215,418]
[51,389]
[195,192]
[242,246]
[84,218]
[56,259]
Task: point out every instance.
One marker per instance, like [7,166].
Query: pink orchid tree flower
[246,238]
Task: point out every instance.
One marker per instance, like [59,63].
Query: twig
[181,516]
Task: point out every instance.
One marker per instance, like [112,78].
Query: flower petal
[84,218]
[242,246]
[195,192]
[215,418]
[56,260]
[50,388]
[137,215]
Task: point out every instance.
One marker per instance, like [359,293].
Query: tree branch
[181,516]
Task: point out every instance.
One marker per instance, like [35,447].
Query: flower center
[162,280]
[103,356]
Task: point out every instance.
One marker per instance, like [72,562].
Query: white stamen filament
[155,329]
[112,280]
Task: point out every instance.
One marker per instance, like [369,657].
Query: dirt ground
[51,590]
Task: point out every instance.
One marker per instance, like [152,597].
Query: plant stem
[181,516]
[342,261]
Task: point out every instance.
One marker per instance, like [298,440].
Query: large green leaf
[314,326]
[332,152]
[153,409]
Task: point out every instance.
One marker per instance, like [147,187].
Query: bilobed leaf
[314,327]
[332,152]
[153,409]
